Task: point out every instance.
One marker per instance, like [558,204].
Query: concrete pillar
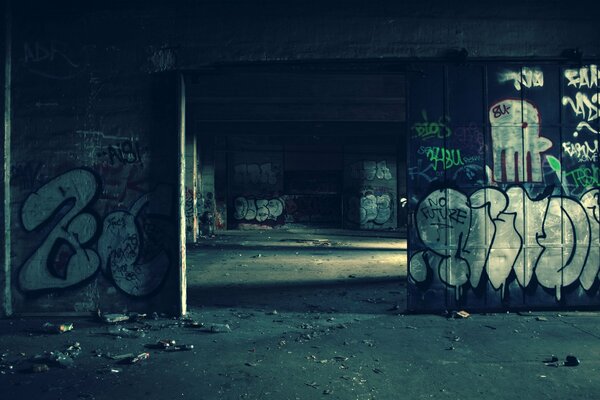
[207,208]
[191,189]
[5,241]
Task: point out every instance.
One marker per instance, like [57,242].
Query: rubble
[60,328]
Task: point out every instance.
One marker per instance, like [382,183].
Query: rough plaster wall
[93,173]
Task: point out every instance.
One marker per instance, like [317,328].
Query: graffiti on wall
[426,129]
[52,59]
[370,170]
[370,208]
[127,151]
[259,210]
[585,105]
[525,77]
[266,174]
[441,158]
[516,141]
[508,235]
[127,245]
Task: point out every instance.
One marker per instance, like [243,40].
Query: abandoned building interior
[322,198]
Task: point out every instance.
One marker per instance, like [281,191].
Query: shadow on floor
[364,295]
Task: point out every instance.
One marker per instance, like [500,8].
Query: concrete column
[191,189]
[5,258]
[207,208]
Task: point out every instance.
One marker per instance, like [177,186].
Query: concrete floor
[315,328]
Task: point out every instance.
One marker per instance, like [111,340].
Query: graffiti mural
[370,208]
[516,140]
[266,173]
[503,232]
[508,214]
[79,243]
[259,210]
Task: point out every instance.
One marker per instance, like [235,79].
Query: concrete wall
[93,176]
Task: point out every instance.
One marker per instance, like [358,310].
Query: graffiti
[126,152]
[131,244]
[526,77]
[584,77]
[553,238]
[257,209]
[51,59]
[370,170]
[500,110]
[584,176]
[429,130]
[370,208]
[63,259]
[516,141]
[448,158]
[583,152]
[66,257]
[189,212]
[583,105]
[256,173]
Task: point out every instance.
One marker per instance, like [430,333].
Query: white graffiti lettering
[526,77]
[258,209]
[556,239]
[582,152]
[584,77]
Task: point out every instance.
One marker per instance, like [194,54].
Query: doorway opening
[295,186]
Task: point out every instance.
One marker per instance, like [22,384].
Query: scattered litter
[368,343]
[450,348]
[112,318]
[136,359]
[274,312]
[541,319]
[63,359]
[257,256]
[551,361]
[340,358]
[121,357]
[180,347]
[194,324]
[109,370]
[61,328]
[37,368]
[462,314]
[411,327]
[162,344]
[218,328]
[122,332]
[571,361]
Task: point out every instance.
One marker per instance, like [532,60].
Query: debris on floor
[571,361]
[54,328]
